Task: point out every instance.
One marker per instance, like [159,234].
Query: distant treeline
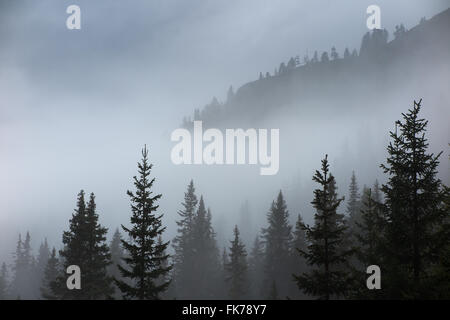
[296,79]
[402,226]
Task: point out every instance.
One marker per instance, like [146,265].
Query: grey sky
[76,106]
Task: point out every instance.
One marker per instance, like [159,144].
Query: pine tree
[440,271]
[237,268]
[353,203]
[73,253]
[298,263]
[413,196]
[273,293]
[224,274]
[224,257]
[51,273]
[315,58]
[117,255]
[324,57]
[85,246]
[163,264]
[299,235]
[282,68]
[377,192]
[183,244]
[256,268]
[3,282]
[277,239]
[41,263]
[346,53]
[19,269]
[230,94]
[324,254]
[206,274]
[334,54]
[44,255]
[370,242]
[143,265]
[23,263]
[291,64]
[26,253]
[245,223]
[97,283]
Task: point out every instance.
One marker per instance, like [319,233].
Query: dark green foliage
[85,246]
[144,263]
[324,254]
[298,262]
[198,272]
[51,273]
[277,239]
[370,242]
[370,230]
[236,268]
[414,199]
[440,271]
[183,244]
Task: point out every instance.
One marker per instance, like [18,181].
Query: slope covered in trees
[383,64]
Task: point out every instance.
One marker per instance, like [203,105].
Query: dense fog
[77,107]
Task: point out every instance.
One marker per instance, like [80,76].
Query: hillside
[381,68]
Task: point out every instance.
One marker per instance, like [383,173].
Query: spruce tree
[298,263]
[97,283]
[206,272]
[413,198]
[183,244]
[143,265]
[245,223]
[324,254]
[299,239]
[256,268]
[277,239]
[224,274]
[237,268]
[117,255]
[273,292]
[19,269]
[353,203]
[370,230]
[42,259]
[22,284]
[3,282]
[85,246]
[41,263]
[164,264]
[440,271]
[224,257]
[370,243]
[51,273]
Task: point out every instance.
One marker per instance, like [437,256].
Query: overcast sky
[76,105]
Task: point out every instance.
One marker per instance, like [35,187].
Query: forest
[356,205]
[402,226]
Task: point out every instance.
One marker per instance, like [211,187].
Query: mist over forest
[338,104]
